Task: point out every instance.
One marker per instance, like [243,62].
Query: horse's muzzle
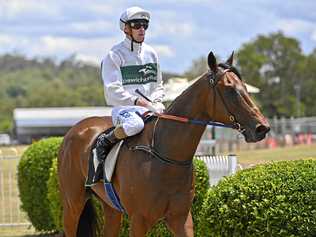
[256,134]
[261,131]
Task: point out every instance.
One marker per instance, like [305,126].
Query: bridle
[214,78]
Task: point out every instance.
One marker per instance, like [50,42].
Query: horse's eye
[231,92]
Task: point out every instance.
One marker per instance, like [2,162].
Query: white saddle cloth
[110,161]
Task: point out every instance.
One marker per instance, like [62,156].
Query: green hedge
[33,173]
[53,196]
[278,199]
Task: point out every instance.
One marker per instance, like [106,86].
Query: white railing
[10,211]
[219,166]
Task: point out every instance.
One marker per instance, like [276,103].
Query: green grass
[277,154]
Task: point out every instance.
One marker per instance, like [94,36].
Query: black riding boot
[102,147]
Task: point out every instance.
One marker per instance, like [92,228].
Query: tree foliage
[43,83]
[276,64]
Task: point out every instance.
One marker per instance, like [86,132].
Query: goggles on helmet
[138,23]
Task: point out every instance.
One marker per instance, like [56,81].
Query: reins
[195,121]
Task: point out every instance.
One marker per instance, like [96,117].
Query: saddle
[101,170]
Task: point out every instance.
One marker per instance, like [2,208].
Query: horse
[157,182]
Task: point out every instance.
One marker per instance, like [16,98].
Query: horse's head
[232,102]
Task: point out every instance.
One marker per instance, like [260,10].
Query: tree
[273,63]
[43,83]
[308,84]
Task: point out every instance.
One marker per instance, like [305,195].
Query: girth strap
[152,151]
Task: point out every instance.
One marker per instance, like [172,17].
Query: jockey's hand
[157,107]
[142,102]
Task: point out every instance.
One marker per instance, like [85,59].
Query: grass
[17,231]
[277,154]
[10,210]
[244,157]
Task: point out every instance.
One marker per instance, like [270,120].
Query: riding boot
[102,147]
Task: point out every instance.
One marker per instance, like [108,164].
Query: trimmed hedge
[277,199]
[201,185]
[201,188]
[33,173]
[53,196]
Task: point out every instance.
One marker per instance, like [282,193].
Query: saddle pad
[110,161]
[114,198]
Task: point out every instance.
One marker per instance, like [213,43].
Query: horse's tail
[88,221]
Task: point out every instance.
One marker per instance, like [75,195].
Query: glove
[156,107]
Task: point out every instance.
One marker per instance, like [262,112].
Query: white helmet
[133,13]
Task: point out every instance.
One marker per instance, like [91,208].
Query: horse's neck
[179,141]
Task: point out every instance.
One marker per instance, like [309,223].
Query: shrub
[53,196]
[278,199]
[33,173]
[201,187]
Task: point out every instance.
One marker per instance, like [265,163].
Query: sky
[180,31]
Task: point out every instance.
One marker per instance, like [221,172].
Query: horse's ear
[230,60]
[211,60]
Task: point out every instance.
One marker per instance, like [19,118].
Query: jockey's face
[137,29]
[139,34]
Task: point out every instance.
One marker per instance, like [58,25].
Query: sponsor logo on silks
[139,74]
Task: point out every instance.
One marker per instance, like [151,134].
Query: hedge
[38,170]
[33,173]
[53,197]
[277,199]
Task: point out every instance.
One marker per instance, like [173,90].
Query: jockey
[130,66]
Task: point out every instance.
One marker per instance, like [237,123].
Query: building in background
[36,123]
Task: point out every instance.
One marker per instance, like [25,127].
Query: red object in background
[271,142]
[309,138]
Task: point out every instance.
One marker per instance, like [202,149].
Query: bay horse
[149,187]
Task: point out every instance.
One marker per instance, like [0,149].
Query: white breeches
[127,117]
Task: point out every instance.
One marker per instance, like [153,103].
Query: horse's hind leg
[72,209]
[74,197]
[181,226]
[112,221]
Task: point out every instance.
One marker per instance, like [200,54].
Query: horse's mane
[198,79]
[183,94]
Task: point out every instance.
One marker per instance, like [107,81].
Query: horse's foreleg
[112,221]
[181,226]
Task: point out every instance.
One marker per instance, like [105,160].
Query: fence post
[232,163]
